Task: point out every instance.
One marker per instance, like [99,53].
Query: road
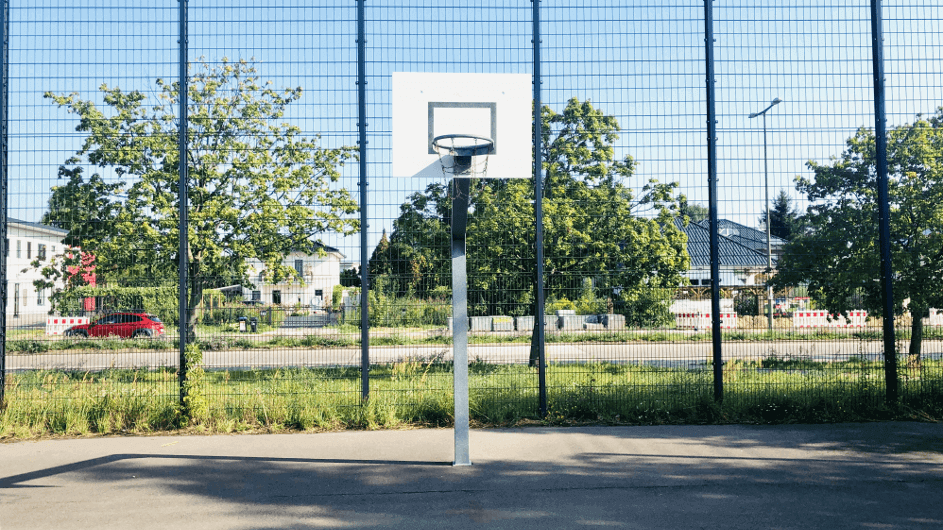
[662,354]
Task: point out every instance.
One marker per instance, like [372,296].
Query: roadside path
[662,354]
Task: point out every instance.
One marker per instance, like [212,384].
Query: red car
[125,325]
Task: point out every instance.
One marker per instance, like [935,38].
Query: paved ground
[863,476]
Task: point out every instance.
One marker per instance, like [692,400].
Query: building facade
[317,271]
[27,242]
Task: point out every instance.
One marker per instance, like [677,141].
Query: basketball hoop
[463,155]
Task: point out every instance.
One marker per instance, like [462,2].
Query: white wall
[321,273]
[23,303]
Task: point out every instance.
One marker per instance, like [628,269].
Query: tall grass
[418,392]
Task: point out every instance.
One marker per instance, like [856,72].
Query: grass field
[418,393]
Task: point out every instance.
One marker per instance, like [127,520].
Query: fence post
[880,146]
[183,317]
[539,220]
[4,177]
[364,268]
[712,205]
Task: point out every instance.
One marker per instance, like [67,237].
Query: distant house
[25,243]
[319,270]
[739,260]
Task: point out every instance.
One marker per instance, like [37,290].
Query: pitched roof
[731,252]
[37,226]
[745,235]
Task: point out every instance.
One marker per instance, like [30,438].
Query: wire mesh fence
[707,208]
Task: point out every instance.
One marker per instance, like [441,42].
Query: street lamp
[769,245]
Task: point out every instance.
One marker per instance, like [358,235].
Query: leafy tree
[594,225]
[839,256]
[786,222]
[88,210]
[695,212]
[257,187]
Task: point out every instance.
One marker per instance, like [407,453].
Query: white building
[320,270]
[25,243]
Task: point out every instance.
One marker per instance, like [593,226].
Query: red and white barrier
[824,319]
[703,320]
[57,325]
[810,319]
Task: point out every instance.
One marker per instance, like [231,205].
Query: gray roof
[732,254]
[37,226]
[745,235]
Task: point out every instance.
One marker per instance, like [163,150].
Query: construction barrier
[703,320]
[824,319]
[810,319]
[57,325]
[856,319]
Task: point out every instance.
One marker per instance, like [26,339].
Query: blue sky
[642,62]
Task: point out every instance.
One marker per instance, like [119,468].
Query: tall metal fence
[733,203]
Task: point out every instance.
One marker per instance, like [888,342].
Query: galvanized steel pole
[539,221]
[183,316]
[712,204]
[364,268]
[884,209]
[460,198]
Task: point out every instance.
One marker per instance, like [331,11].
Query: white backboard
[496,106]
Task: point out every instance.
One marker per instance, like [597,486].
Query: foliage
[350,277]
[86,209]
[337,297]
[63,273]
[256,187]
[839,256]
[693,211]
[594,225]
[195,402]
[787,223]
[160,301]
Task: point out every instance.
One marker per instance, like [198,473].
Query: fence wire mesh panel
[356,176]
[913,55]
[273,208]
[623,150]
[80,74]
[410,264]
[794,83]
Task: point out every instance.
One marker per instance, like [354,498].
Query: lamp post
[769,245]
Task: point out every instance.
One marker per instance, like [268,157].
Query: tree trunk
[196,295]
[916,336]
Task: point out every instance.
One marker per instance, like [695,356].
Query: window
[319,293]
[19,252]
[41,251]
[276,297]
[257,295]
[25,299]
[706,282]
[29,250]
[300,268]
[6,249]
[39,296]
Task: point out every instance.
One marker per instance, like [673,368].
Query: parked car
[125,325]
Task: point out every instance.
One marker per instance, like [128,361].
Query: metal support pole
[539,221]
[460,191]
[884,209]
[364,268]
[4,177]
[182,194]
[769,243]
[712,202]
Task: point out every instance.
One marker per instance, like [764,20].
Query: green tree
[695,212]
[839,256]
[594,226]
[257,187]
[787,222]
